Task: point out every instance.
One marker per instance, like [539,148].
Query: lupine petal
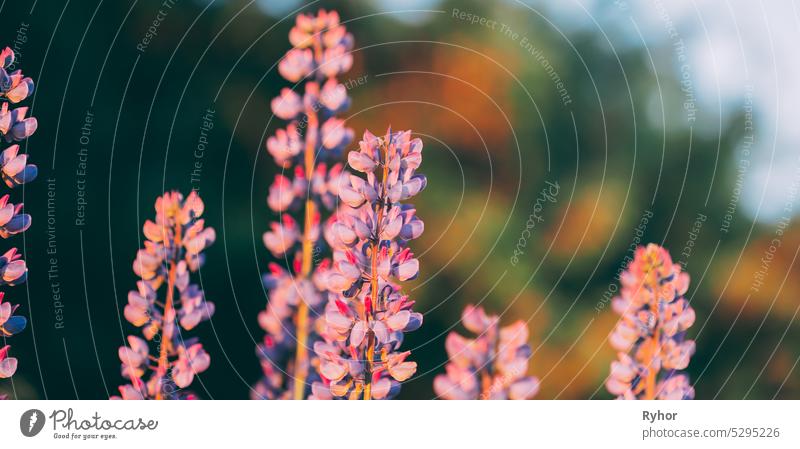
[8,367]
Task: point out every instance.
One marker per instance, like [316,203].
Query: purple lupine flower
[651,333]
[172,251]
[15,170]
[493,365]
[305,147]
[367,313]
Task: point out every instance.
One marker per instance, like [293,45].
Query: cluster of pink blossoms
[312,139]
[14,88]
[493,365]
[367,313]
[15,171]
[172,251]
[650,335]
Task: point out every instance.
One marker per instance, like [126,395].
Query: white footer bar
[400,424]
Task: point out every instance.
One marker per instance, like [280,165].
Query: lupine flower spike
[312,139]
[15,171]
[172,251]
[493,365]
[650,335]
[367,312]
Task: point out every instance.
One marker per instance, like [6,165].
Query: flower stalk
[320,53]
[493,365]
[301,364]
[163,362]
[172,251]
[367,313]
[15,171]
[651,332]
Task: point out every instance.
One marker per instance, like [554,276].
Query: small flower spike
[15,171]
[172,251]
[651,332]
[303,196]
[493,365]
[367,313]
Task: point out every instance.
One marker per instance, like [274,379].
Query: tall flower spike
[651,332]
[172,251]
[312,139]
[493,365]
[15,171]
[367,313]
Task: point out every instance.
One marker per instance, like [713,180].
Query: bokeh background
[667,122]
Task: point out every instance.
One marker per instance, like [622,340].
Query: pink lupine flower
[336,60]
[134,357]
[296,292]
[367,313]
[190,361]
[288,105]
[335,134]
[172,251]
[491,366]
[333,96]
[6,57]
[309,26]
[12,221]
[195,309]
[285,145]
[8,365]
[14,88]
[650,334]
[15,170]
[284,191]
[14,126]
[325,184]
[283,236]
[10,324]
[329,41]
[297,64]
[13,270]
